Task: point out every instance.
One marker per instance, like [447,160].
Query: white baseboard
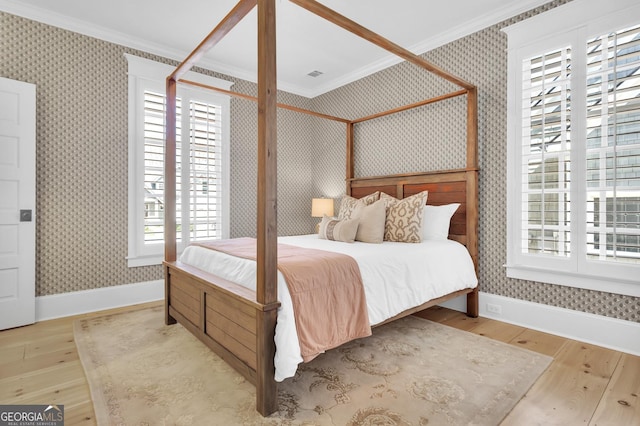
[82,302]
[620,335]
[612,333]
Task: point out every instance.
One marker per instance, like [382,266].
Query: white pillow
[436,221]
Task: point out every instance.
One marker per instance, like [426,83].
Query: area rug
[409,372]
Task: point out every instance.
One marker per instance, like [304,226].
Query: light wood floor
[584,385]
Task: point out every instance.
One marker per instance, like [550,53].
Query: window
[574,147]
[202,161]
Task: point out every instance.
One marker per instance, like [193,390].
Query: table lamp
[321,207]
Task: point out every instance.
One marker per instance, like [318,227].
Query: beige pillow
[349,204]
[372,220]
[338,230]
[404,217]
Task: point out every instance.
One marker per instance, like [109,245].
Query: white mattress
[396,277]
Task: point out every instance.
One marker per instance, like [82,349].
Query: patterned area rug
[410,372]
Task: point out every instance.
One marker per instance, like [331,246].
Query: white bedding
[396,277]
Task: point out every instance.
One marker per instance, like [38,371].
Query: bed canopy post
[170,190]
[472,128]
[472,191]
[170,247]
[198,299]
[170,174]
[350,172]
[267,234]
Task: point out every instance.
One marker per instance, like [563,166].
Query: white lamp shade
[321,207]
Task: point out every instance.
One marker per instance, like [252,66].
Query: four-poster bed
[197,299]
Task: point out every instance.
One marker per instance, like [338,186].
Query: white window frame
[571,24]
[144,74]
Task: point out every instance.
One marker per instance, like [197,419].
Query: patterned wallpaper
[82,154]
[429,139]
[81,151]
[295,165]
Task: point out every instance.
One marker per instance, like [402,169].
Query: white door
[17,203]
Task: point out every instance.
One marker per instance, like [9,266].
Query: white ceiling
[305,42]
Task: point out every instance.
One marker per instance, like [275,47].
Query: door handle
[25,215]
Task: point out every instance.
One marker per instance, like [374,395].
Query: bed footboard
[226,317]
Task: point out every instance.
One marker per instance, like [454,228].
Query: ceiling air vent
[315,73]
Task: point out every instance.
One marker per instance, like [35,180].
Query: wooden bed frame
[238,323]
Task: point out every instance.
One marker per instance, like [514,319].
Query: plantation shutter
[546,145]
[205,184]
[154,105]
[613,146]
[202,210]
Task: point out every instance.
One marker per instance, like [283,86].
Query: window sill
[589,282]
[134,262]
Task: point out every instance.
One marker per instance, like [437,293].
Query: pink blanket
[326,290]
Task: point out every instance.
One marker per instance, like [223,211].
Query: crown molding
[81,27]
[455,33]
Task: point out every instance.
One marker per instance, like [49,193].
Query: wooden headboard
[445,187]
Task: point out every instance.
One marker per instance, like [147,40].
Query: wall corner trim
[611,333]
[82,302]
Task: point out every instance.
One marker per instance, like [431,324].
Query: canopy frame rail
[266,288]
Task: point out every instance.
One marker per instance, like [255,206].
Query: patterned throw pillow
[338,230]
[404,217]
[348,205]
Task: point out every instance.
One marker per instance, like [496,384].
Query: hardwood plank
[557,398]
[465,323]
[621,402]
[497,330]
[537,341]
[569,391]
[30,333]
[80,414]
[10,354]
[438,314]
[43,381]
[49,344]
[451,318]
[48,359]
[70,394]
